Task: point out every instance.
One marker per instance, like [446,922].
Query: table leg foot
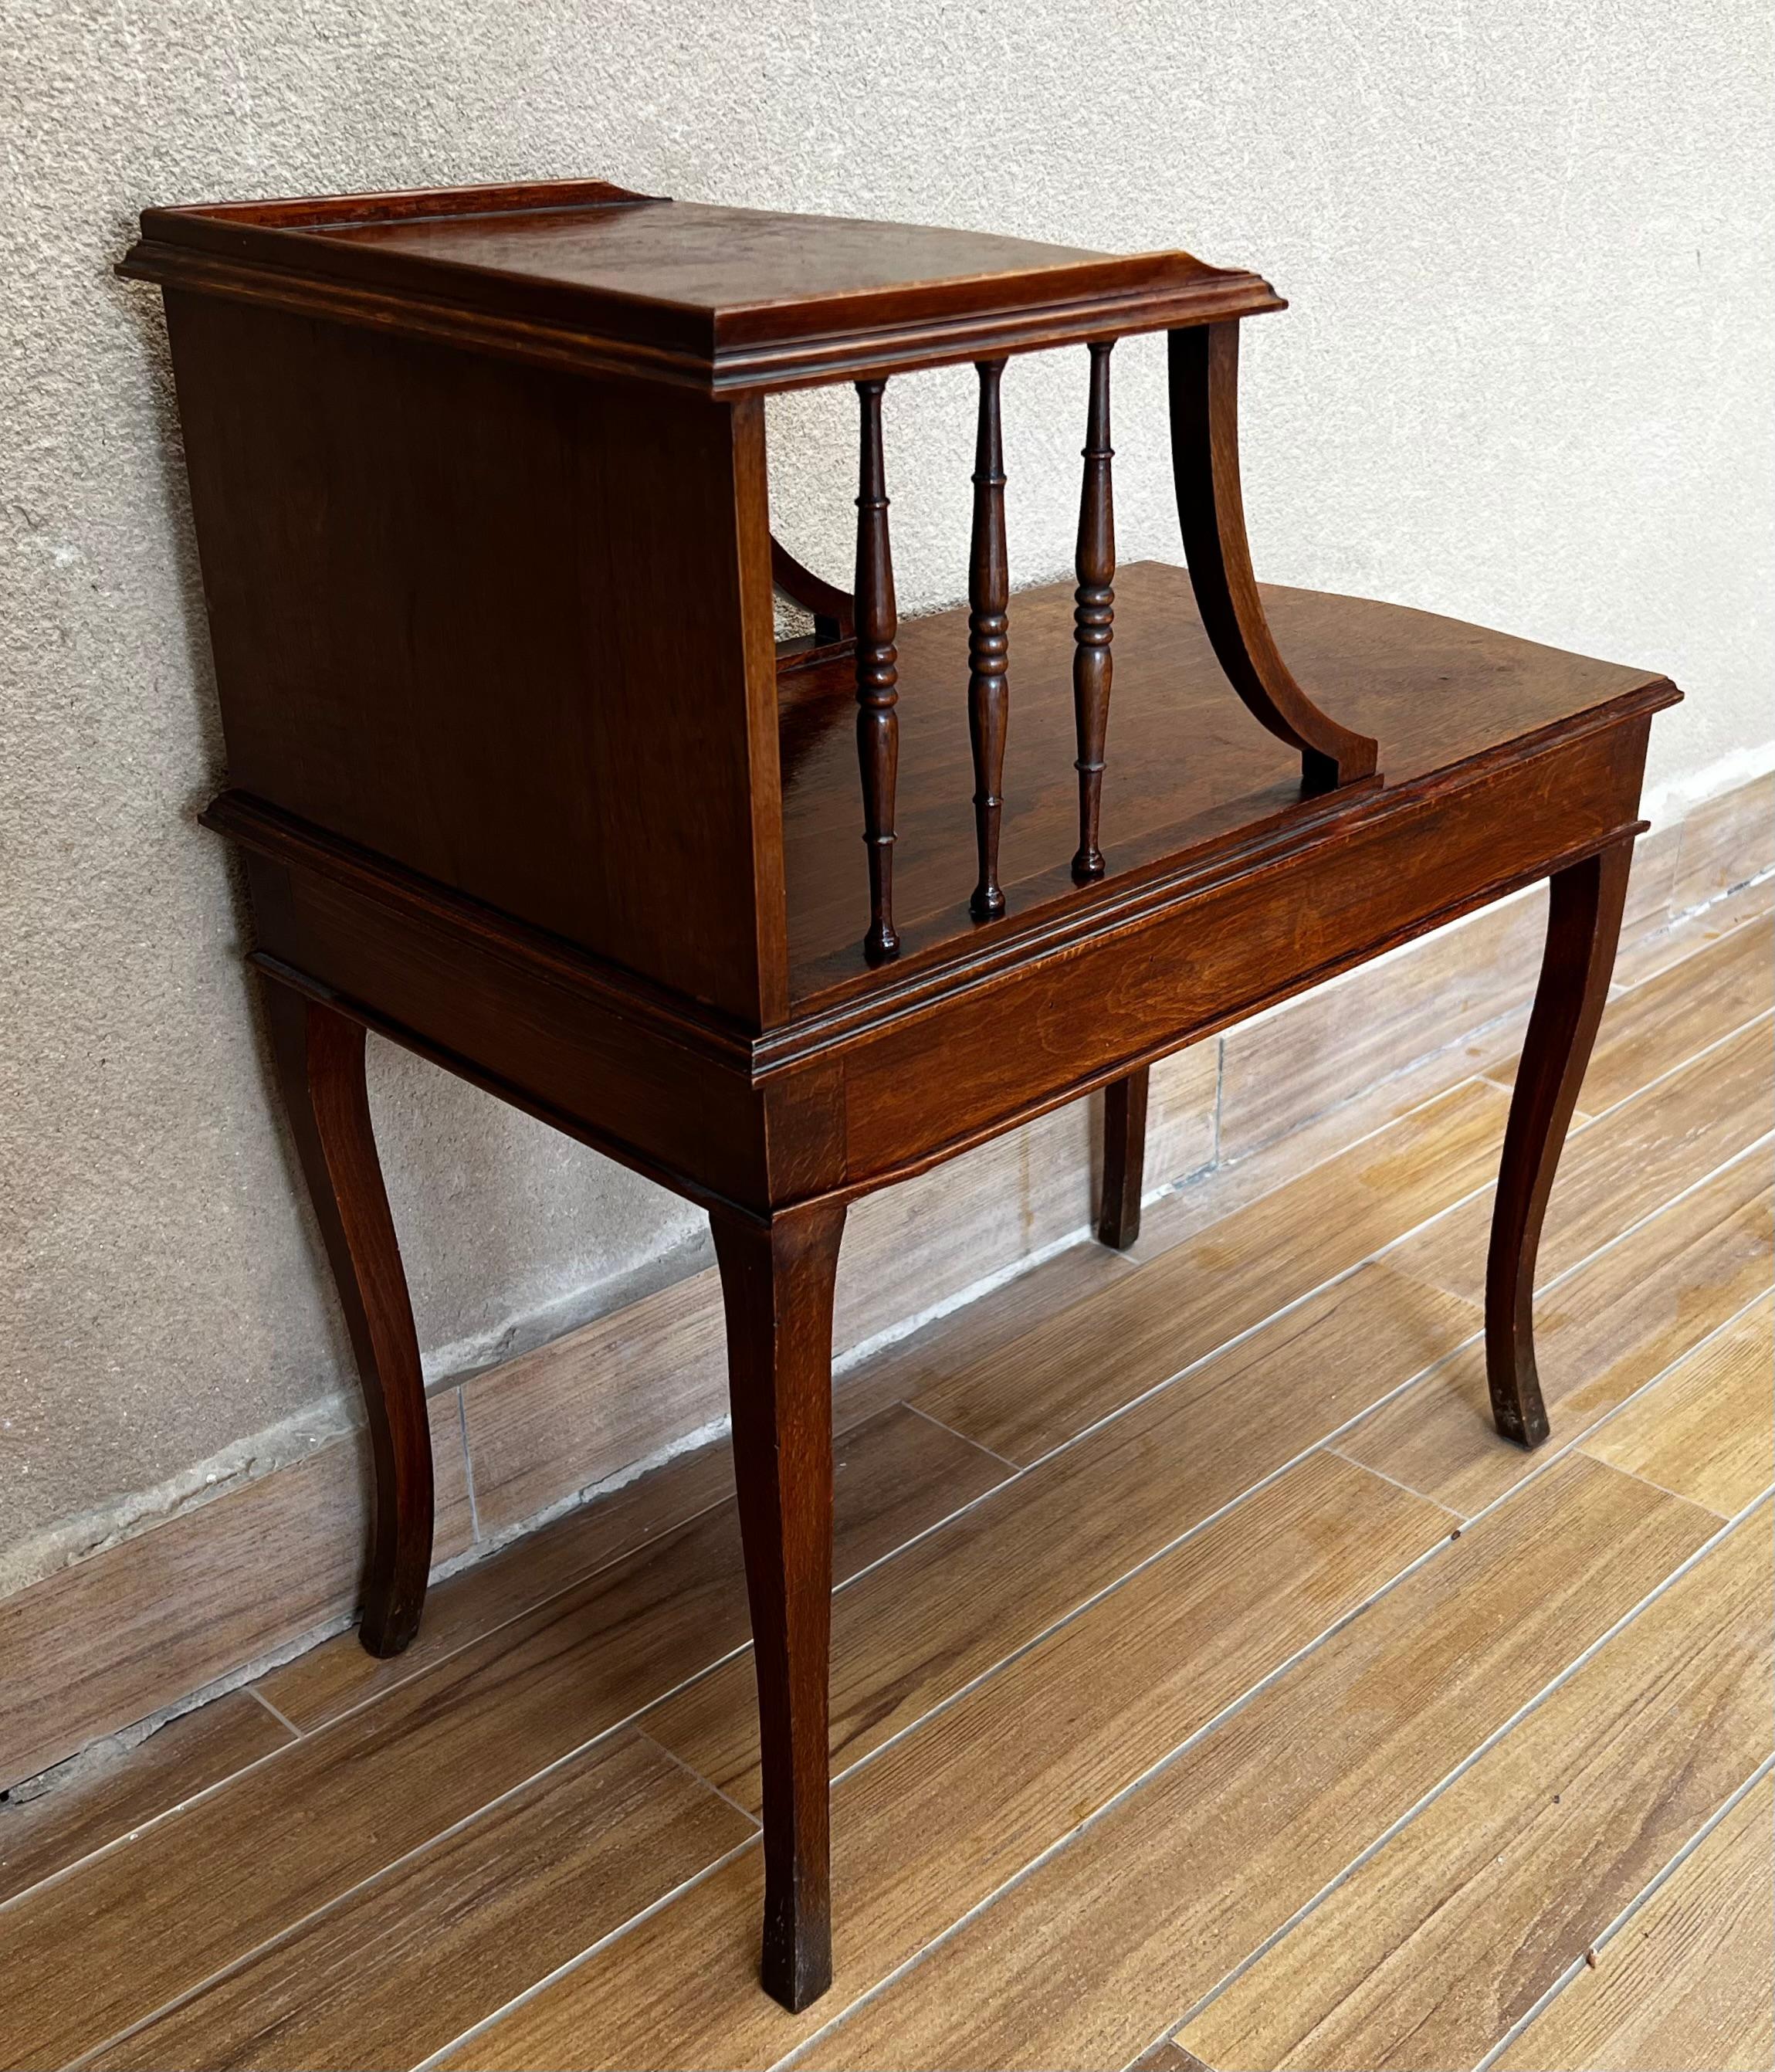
[1124,1159]
[776,1291]
[1584,925]
[319,1054]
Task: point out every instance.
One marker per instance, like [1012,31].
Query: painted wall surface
[1526,379]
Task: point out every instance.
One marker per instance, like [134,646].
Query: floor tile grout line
[697,1777]
[1681,1065]
[597,1568]
[252,1692]
[1569,1446]
[468,1463]
[1380,1474]
[339,1899]
[1641,1899]
[1477,1076]
[1202,1525]
[1099,1813]
[710,1668]
[1476,1755]
[950,1429]
[1682,1360]
[1229,1711]
[571,1964]
[1379,1257]
[1581,1118]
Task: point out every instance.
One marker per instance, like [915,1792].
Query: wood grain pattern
[345,1803]
[1654,1027]
[1726,842]
[936,1352]
[1613,1325]
[1043,1388]
[549,1423]
[1618,1169]
[1686,1982]
[328,1680]
[42,1836]
[480,488]
[1110,1940]
[402,1966]
[1441,1942]
[1168,2056]
[1705,1431]
[1283,1068]
[589,276]
[913,1631]
[894,1472]
[124,1633]
[1188,770]
[1657,948]
[933,1824]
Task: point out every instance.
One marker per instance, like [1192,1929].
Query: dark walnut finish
[524,781]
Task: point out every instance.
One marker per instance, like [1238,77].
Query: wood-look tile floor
[1210,1686]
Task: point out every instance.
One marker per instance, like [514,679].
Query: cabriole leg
[1584,923]
[1124,1159]
[776,1291]
[319,1054]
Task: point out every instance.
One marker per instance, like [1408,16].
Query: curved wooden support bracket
[1204,363]
[834,609]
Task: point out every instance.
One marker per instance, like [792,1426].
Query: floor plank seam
[359,1886]
[977,1446]
[1380,1474]
[598,1568]
[1694,1057]
[1121,1582]
[1570,1446]
[697,1777]
[571,1964]
[1175,1754]
[476,1534]
[253,1690]
[1530,1706]
[1649,1892]
[120,1842]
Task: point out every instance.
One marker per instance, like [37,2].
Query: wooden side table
[524,782]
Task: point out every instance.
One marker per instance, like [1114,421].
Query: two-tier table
[524,781]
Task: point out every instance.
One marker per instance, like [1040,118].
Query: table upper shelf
[723,300]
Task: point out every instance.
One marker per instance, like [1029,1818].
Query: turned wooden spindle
[1093,614]
[989,640]
[877,673]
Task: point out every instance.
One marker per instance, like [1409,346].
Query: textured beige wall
[1526,379]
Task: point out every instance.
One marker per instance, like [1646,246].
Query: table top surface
[727,298]
[1189,772]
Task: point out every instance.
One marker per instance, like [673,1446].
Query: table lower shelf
[1188,769]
